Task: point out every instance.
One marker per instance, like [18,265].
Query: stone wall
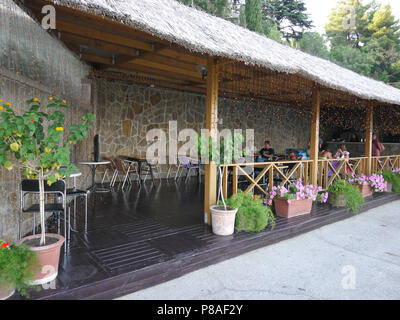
[126,112]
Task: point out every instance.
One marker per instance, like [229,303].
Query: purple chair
[186,163]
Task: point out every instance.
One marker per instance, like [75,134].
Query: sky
[319,10]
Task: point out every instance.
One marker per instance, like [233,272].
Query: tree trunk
[42,213]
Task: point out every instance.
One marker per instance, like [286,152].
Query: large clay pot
[292,208]
[340,200]
[48,255]
[365,190]
[6,292]
[223,221]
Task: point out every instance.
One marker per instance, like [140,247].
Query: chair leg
[20,226]
[125,177]
[65,229]
[34,223]
[104,175]
[177,171]
[188,174]
[86,207]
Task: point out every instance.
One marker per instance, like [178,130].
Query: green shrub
[17,267]
[393,178]
[252,215]
[352,194]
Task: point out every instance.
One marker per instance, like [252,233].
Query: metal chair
[186,163]
[57,189]
[155,168]
[124,167]
[108,167]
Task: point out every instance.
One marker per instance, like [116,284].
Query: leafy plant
[228,151]
[393,178]
[352,194]
[17,267]
[36,142]
[252,214]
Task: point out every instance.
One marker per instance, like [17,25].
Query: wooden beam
[210,194]
[316,98]
[102,35]
[368,138]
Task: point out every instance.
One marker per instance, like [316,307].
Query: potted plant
[17,266]
[252,215]
[296,200]
[35,143]
[369,184]
[393,180]
[343,194]
[222,215]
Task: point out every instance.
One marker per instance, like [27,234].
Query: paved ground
[358,258]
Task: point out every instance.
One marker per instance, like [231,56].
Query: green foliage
[372,45]
[36,139]
[17,267]
[216,7]
[289,15]
[313,43]
[229,150]
[252,215]
[393,178]
[253,15]
[353,197]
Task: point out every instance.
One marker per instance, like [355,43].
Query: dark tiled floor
[143,236]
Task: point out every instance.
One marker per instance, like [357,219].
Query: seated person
[250,150]
[325,154]
[291,155]
[342,152]
[266,153]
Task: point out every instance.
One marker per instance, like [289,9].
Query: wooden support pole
[210,192]
[314,147]
[368,138]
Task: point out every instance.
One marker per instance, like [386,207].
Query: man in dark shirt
[266,153]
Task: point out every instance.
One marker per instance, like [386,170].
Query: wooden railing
[262,176]
[380,163]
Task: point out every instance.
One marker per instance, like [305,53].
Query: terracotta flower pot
[223,221]
[6,292]
[292,208]
[48,255]
[340,200]
[365,190]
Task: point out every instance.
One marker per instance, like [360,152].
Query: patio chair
[187,163]
[155,167]
[58,189]
[124,167]
[108,168]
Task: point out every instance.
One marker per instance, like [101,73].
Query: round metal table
[94,165]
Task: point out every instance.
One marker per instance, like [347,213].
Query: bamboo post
[314,147]
[368,138]
[210,192]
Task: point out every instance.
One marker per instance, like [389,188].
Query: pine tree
[253,15]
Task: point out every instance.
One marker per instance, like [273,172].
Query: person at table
[342,152]
[267,153]
[377,146]
[325,153]
[354,138]
[250,149]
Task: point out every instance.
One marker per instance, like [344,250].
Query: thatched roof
[204,33]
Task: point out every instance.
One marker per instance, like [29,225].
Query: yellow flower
[60,129]
[1,100]
[35,99]
[1,108]
[50,98]
[57,176]
[14,147]
[15,110]
[47,150]
[64,101]
[8,104]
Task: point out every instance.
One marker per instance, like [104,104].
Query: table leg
[151,172]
